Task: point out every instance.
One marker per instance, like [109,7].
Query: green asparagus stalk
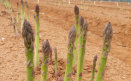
[37,37]
[10,9]
[107,38]
[15,26]
[83,34]
[4,2]
[71,37]
[93,70]
[76,10]
[27,10]
[28,36]
[8,3]
[22,14]
[56,62]
[17,17]
[44,66]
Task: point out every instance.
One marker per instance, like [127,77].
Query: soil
[56,19]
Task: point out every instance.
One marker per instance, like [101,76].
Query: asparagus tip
[85,27]
[76,10]
[81,21]
[108,32]
[28,35]
[46,48]
[17,3]
[22,2]
[25,2]
[37,8]
[55,50]
[95,59]
[72,35]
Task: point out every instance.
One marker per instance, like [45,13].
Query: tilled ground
[55,22]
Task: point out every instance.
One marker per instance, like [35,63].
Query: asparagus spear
[107,38]
[15,26]
[22,14]
[17,17]
[5,2]
[76,11]
[44,67]
[56,62]
[9,5]
[71,37]
[83,34]
[27,10]
[37,37]
[94,65]
[28,36]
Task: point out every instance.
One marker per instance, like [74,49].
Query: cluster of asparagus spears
[24,12]
[77,36]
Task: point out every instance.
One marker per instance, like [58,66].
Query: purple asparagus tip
[85,26]
[28,35]
[37,8]
[46,48]
[95,59]
[76,10]
[55,50]
[22,2]
[17,4]
[81,21]
[108,32]
[72,35]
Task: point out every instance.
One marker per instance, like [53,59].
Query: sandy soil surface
[55,22]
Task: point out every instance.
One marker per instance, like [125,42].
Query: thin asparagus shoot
[107,38]
[83,34]
[17,17]
[22,14]
[28,36]
[15,26]
[9,5]
[56,62]
[27,10]
[5,3]
[44,66]
[37,37]
[93,70]
[76,11]
[69,64]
